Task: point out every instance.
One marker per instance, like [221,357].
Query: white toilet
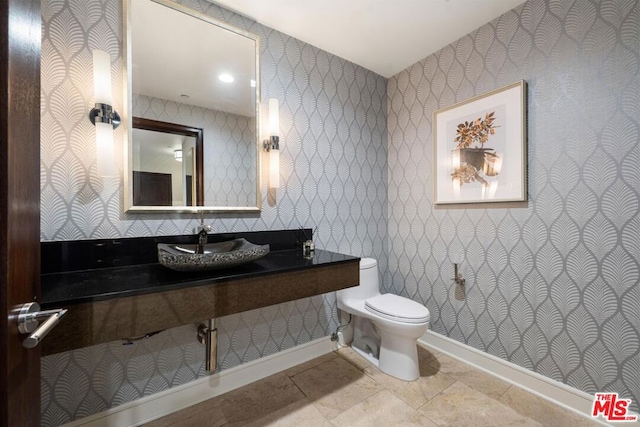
[397,324]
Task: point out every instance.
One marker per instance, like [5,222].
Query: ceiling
[177,65]
[384,36]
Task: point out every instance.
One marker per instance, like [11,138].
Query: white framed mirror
[187,70]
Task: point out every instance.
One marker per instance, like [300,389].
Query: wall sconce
[177,155]
[455,164]
[103,116]
[272,145]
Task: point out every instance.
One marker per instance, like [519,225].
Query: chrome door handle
[29,317]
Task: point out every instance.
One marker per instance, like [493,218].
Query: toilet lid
[397,308]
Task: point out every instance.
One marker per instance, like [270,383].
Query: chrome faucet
[203,234]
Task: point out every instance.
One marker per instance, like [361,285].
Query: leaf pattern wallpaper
[333,179]
[552,284]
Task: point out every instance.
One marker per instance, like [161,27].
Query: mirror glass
[188,71]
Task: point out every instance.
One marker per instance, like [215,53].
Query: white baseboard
[553,391]
[174,399]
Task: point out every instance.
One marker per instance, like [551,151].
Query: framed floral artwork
[480,148]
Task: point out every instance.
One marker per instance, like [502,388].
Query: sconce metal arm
[104,113]
[273,143]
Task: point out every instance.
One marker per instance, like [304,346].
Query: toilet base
[393,352]
[368,357]
[399,357]
[402,364]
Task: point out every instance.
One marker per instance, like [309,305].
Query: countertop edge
[215,278]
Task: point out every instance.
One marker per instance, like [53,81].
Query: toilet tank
[369,283]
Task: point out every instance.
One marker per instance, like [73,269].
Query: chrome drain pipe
[208,335]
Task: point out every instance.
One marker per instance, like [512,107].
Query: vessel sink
[183,257]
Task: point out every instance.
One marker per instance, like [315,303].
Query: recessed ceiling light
[227,78]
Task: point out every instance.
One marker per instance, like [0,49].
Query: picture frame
[480,148]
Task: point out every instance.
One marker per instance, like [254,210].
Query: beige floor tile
[310,364]
[300,413]
[460,405]
[541,410]
[382,409]
[473,377]
[427,355]
[259,399]
[337,390]
[208,413]
[354,358]
[335,386]
[414,393]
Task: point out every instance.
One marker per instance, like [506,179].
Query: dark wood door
[19,205]
[152,189]
[189,189]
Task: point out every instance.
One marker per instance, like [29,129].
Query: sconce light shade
[103,116]
[177,155]
[102,77]
[274,168]
[104,149]
[272,145]
[455,158]
[274,117]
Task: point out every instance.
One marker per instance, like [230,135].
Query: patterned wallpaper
[552,286]
[229,148]
[333,178]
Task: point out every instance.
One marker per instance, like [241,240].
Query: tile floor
[343,389]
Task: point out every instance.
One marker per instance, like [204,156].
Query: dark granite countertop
[62,289]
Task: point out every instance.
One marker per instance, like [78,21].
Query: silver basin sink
[181,257]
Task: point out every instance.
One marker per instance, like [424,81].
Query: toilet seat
[397,308]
